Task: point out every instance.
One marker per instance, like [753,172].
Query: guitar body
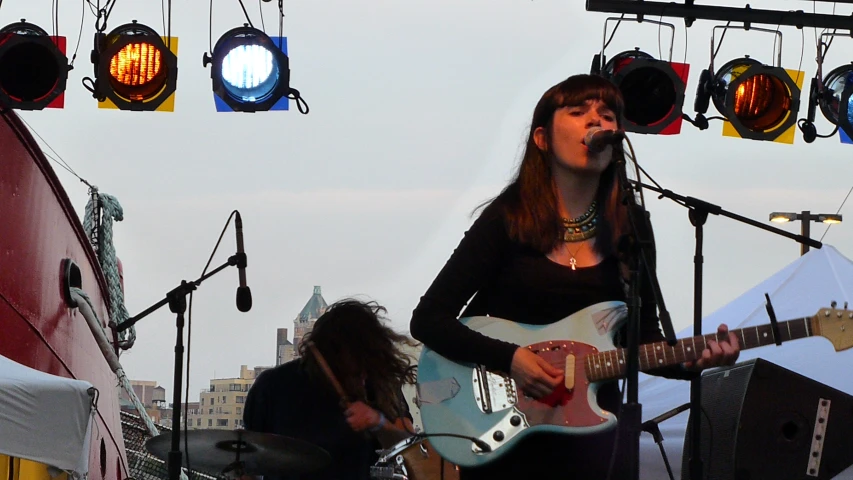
[465,399]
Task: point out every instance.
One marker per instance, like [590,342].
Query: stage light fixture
[653,90]
[836,103]
[757,101]
[33,67]
[760,101]
[832,93]
[135,69]
[250,71]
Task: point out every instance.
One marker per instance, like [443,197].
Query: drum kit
[236,453]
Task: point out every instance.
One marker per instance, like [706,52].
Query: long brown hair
[529,202]
[362,351]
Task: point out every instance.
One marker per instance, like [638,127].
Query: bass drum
[412,459]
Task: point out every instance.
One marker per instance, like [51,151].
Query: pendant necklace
[580,229]
[573,261]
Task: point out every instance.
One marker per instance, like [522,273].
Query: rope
[124,382]
[111,211]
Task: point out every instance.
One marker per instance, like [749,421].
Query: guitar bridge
[493,392]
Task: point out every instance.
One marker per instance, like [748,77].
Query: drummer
[298,399]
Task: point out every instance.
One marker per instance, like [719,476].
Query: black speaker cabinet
[763,422]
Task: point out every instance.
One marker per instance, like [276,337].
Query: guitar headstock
[836,324]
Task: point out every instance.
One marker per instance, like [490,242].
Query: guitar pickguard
[566,406]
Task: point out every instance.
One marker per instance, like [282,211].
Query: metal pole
[691,12]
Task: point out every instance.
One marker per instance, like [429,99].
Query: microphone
[597,138]
[244,295]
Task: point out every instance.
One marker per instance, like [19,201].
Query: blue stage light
[250,72]
[836,103]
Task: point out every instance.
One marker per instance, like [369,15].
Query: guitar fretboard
[611,364]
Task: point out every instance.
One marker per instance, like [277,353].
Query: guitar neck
[612,363]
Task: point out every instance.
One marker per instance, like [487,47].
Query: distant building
[148,392]
[284,351]
[304,322]
[165,414]
[152,396]
[221,406]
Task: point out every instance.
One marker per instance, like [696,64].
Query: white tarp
[808,284]
[45,418]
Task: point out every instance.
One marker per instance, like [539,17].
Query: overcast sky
[418,112]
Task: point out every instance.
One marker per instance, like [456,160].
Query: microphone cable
[183,408]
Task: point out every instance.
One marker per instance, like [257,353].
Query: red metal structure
[39,233]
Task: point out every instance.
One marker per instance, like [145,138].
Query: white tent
[45,418]
[808,284]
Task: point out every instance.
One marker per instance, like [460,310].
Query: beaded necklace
[579,229]
[583,227]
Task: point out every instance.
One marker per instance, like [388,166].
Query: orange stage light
[135,69]
[759,102]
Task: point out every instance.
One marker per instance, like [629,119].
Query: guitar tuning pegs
[833,304]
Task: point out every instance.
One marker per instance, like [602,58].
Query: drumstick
[329,373]
[331,376]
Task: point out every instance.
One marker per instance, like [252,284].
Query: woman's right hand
[533,374]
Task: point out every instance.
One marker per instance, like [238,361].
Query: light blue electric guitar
[468,400]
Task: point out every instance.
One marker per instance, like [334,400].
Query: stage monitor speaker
[761,421]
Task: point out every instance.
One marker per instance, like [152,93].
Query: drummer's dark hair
[365,355]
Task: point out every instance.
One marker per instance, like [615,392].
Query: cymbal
[253,453]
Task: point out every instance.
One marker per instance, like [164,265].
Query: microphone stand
[698,214]
[177,300]
[651,426]
[637,254]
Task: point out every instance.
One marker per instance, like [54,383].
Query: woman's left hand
[717,353]
[361,416]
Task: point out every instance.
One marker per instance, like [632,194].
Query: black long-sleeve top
[517,283]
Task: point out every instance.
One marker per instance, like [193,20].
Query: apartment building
[221,406]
